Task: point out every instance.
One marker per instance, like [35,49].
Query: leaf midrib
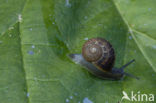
[23,67]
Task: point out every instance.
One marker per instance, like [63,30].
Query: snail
[98,57]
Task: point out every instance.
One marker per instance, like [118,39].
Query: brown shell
[99,52]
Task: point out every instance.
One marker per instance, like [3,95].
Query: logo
[137,96]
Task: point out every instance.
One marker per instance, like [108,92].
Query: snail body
[98,57]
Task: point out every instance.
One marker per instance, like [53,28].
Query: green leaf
[37,35]
[140,20]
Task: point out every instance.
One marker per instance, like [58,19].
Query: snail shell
[98,57]
[100,52]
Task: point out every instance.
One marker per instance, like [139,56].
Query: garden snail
[98,58]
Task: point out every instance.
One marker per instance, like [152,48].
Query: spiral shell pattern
[99,52]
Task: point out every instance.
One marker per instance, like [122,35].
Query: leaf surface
[35,44]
